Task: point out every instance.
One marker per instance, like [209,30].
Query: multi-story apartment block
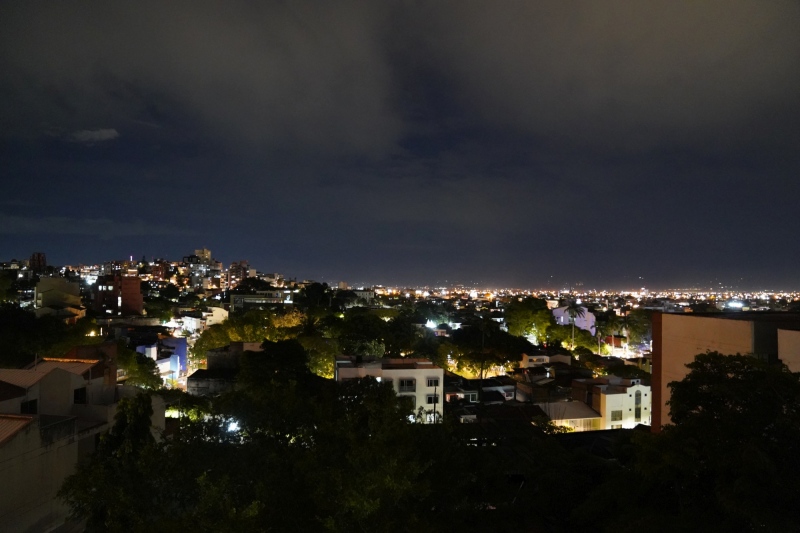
[238,271]
[417,379]
[116,294]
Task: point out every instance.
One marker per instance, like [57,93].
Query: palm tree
[574,309]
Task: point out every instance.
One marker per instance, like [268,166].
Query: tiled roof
[23,378]
[10,425]
[73,367]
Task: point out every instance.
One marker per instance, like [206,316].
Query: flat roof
[783,319]
[568,410]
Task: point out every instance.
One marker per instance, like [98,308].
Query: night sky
[527,144]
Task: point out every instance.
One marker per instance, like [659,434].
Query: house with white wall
[50,416]
[417,379]
[622,403]
[585,322]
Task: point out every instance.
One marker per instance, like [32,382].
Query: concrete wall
[677,339]
[789,348]
[32,472]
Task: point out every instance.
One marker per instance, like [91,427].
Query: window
[79,395]
[472,397]
[638,405]
[616,416]
[433,382]
[616,426]
[432,399]
[29,408]
[407,385]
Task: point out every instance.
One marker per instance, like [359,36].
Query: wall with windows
[419,380]
[625,409]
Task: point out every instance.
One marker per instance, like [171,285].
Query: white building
[575,415]
[603,403]
[198,324]
[418,379]
[586,322]
[621,403]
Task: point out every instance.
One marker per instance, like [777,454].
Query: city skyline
[620,145]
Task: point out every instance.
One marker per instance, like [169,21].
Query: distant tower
[204,254]
[38,262]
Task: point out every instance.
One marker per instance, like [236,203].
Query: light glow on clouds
[93,136]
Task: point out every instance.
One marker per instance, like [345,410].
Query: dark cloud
[513,143]
[103,228]
[93,136]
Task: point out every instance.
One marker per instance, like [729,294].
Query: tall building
[204,254]
[678,338]
[238,271]
[118,295]
[38,262]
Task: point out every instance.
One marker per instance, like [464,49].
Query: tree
[252,326]
[140,370]
[481,345]
[113,490]
[401,335]
[574,310]
[313,296]
[520,315]
[639,326]
[170,293]
[363,333]
[728,462]
[7,292]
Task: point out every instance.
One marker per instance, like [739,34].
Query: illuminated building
[118,295]
[416,379]
[678,338]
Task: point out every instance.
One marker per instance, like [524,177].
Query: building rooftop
[10,425]
[77,367]
[386,364]
[23,378]
[568,410]
[782,319]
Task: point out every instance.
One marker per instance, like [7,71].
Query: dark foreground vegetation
[289,451]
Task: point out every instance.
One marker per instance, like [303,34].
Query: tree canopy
[727,463]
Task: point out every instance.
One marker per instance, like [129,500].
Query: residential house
[50,417]
[417,379]
[585,321]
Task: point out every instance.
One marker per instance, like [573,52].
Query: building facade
[417,379]
[678,338]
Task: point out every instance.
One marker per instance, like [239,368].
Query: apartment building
[417,379]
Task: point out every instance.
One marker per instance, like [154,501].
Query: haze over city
[617,145]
